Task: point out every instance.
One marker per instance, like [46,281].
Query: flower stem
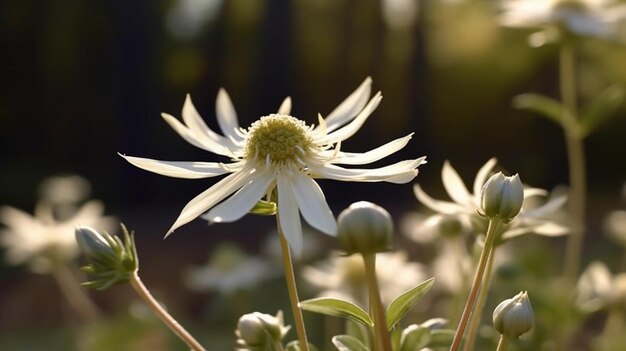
[480,305]
[75,296]
[576,161]
[503,343]
[381,335]
[476,283]
[171,323]
[293,290]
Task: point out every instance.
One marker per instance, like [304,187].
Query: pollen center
[281,137]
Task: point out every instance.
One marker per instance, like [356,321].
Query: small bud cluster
[109,259]
[364,228]
[514,317]
[260,331]
[502,197]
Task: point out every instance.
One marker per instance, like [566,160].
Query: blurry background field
[84,80]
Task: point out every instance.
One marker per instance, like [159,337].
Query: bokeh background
[84,80]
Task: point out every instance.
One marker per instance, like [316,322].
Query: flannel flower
[279,152]
[587,18]
[536,219]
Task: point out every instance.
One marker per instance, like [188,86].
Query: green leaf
[348,343]
[543,105]
[295,346]
[414,337]
[441,338]
[337,308]
[601,109]
[403,303]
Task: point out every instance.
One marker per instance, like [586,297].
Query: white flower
[278,152]
[597,288]
[467,205]
[344,277]
[42,240]
[595,18]
[230,270]
[615,226]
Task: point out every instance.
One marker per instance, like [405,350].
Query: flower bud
[91,242]
[110,259]
[502,197]
[364,228]
[514,317]
[259,330]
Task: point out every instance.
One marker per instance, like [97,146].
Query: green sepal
[264,208]
[337,308]
[348,343]
[403,303]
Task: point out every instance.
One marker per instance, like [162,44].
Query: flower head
[514,316]
[591,18]
[344,277]
[536,219]
[278,152]
[260,331]
[42,240]
[502,196]
[597,288]
[365,228]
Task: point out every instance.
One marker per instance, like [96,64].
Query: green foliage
[295,346]
[543,105]
[337,308]
[600,109]
[403,303]
[348,343]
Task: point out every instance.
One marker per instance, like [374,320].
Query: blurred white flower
[64,190]
[615,226]
[344,277]
[43,241]
[466,205]
[278,152]
[593,18]
[229,270]
[597,288]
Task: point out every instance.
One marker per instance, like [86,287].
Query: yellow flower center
[283,138]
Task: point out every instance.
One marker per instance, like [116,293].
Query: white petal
[312,204]
[199,129]
[243,200]
[210,197]
[199,142]
[530,192]
[348,130]
[349,158]
[482,175]
[436,205]
[288,214]
[454,185]
[285,107]
[178,169]
[400,172]
[226,115]
[546,209]
[350,107]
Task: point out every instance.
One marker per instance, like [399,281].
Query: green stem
[171,323]
[472,331]
[613,325]
[292,289]
[382,341]
[478,277]
[74,294]
[503,343]
[576,162]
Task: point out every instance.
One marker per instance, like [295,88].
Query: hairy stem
[480,305]
[292,289]
[476,283]
[382,341]
[576,162]
[171,323]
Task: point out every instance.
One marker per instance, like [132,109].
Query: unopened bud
[502,197]
[91,242]
[259,330]
[364,228]
[514,317]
